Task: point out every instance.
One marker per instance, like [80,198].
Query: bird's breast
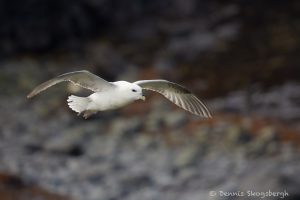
[108,100]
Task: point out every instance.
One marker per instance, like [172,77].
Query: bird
[113,95]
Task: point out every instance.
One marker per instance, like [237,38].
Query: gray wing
[177,94]
[82,78]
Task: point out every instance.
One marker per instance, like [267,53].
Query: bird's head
[137,92]
[133,91]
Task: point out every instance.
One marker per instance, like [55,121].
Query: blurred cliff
[241,57]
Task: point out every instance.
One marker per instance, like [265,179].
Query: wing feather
[177,94]
[82,78]
[204,108]
[201,109]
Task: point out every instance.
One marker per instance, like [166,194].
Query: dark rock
[237,135]
[33,148]
[12,187]
[76,151]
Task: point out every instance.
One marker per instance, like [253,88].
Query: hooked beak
[143,97]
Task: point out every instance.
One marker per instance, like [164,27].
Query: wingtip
[29,96]
[208,116]
[32,94]
[205,115]
[202,115]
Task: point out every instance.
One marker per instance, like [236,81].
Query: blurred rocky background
[240,57]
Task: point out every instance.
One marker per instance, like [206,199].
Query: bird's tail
[78,104]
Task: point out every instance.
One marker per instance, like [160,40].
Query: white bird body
[113,95]
[104,101]
[115,98]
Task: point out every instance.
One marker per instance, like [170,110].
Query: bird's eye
[133,90]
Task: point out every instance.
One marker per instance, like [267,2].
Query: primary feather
[177,94]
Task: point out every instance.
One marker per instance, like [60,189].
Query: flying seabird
[113,95]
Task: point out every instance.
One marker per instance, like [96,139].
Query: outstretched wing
[177,94]
[82,78]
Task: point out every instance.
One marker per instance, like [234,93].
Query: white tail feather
[78,104]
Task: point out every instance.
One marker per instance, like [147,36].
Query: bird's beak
[143,97]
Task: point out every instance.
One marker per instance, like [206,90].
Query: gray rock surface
[279,102]
[165,154]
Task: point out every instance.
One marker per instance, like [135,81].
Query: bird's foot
[88,113]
